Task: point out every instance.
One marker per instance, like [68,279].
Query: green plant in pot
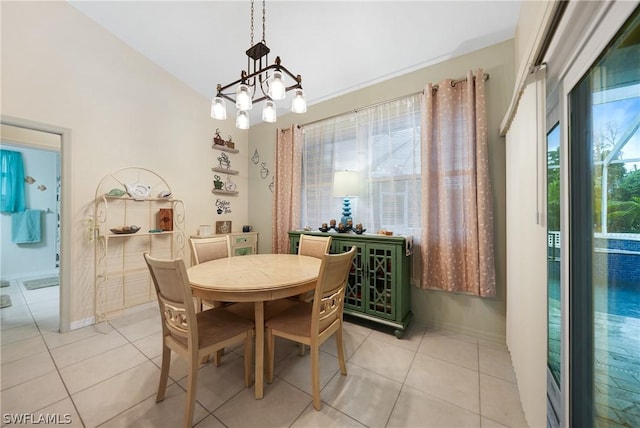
[217,182]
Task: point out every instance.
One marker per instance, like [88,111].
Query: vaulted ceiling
[337,46]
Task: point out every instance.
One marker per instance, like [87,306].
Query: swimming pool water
[619,298]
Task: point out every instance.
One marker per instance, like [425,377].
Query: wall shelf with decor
[224,192]
[125,198]
[225,149]
[227,187]
[225,171]
[378,289]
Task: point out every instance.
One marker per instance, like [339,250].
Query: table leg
[259,323]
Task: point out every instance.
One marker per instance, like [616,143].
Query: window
[382,143]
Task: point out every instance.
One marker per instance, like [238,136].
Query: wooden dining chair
[193,335]
[313,246]
[312,323]
[206,249]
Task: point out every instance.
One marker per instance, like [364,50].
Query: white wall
[467,314]
[36,258]
[60,68]
[526,249]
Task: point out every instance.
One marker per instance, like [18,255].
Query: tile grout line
[479,387]
[173,381]
[52,359]
[404,381]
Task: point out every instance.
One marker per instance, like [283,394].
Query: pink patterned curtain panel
[457,213]
[286,201]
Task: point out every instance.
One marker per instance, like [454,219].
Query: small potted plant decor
[230,143]
[217,182]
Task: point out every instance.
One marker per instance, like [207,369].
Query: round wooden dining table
[255,278]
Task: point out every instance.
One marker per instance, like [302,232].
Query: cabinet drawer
[242,251]
[243,240]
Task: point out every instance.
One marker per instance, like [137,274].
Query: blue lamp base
[346,212]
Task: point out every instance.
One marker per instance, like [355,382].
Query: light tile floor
[107,375]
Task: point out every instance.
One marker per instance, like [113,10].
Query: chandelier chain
[264,20]
[251,44]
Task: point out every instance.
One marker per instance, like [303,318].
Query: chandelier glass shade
[218,109]
[260,82]
[277,89]
[243,98]
[242,119]
[269,112]
[298,104]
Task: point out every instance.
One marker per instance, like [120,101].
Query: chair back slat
[328,302]
[314,246]
[176,318]
[206,249]
[330,308]
[173,290]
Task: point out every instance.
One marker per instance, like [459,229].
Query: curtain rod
[356,110]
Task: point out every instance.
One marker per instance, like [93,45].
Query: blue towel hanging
[25,227]
[12,197]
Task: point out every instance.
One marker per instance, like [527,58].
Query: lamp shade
[298,103]
[242,120]
[218,109]
[269,111]
[346,183]
[243,98]
[277,88]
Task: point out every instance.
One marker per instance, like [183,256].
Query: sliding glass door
[554,300]
[604,242]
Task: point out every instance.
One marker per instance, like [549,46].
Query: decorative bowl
[116,193]
[125,230]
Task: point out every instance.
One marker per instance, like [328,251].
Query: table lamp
[346,184]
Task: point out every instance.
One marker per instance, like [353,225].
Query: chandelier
[260,82]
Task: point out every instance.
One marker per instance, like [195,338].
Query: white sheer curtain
[382,143]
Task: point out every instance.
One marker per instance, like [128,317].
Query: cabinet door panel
[381,280]
[294,244]
[354,296]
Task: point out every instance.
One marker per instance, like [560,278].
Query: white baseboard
[480,334]
[92,320]
[153,304]
[82,323]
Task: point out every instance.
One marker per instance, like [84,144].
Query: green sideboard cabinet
[379,282]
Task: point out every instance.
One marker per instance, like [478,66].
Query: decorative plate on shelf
[138,190]
[124,230]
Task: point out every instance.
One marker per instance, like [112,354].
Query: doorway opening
[39,270]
